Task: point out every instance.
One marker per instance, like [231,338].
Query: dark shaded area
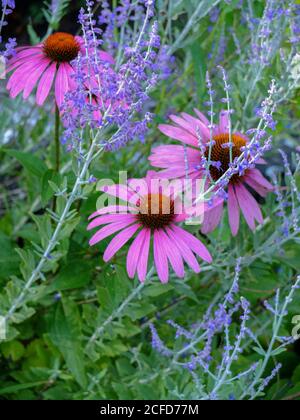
[30,12]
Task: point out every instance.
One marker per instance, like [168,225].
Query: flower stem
[56,139]
[119,310]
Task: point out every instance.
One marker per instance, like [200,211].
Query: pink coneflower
[47,63]
[152,215]
[179,161]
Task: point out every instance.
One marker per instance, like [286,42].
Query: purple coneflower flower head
[182,161]
[45,64]
[151,216]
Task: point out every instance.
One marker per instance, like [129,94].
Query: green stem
[56,139]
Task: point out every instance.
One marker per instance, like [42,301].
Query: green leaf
[278,351]
[200,68]
[65,333]
[259,351]
[13,389]
[50,176]
[14,349]
[74,275]
[29,161]
[9,260]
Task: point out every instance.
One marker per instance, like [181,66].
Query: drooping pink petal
[173,255]
[193,243]
[257,176]
[185,251]
[119,241]
[69,70]
[61,85]
[179,218]
[248,205]
[144,255]
[120,191]
[105,56]
[134,253]
[111,218]
[178,133]
[160,257]
[263,192]
[233,210]
[25,47]
[29,82]
[199,126]
[107,231]
[201,116]
[45,84]
[20,75]
[261,161]
[112,209]
[186,125]
[18,64]
[24,55]
[212,218]
[172,155]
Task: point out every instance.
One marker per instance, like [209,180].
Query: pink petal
[201,116]
[106,57]
[212,218]
[198,125]
[45,84]
[134,253]
[24,55]
[61,84]
[112,209]
[119,241]
[120,191]
[144,255]
[160,257]
[193,243]
[167,156]
[20,75]
[233,210]
[248,205]
[28,82]
[263,192]
[175,172]
[184,124]
[107,231]
[257,176]
[33,79]
[185,251]
[173,255]
[178,134]
[111,218]
[179,218]
[70,73]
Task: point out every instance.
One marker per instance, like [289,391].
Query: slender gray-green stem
[202,10]
[135,292]
[268,354]
[55,236]
[3,16]
[56,139]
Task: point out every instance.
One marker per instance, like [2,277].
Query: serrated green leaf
[30,162]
